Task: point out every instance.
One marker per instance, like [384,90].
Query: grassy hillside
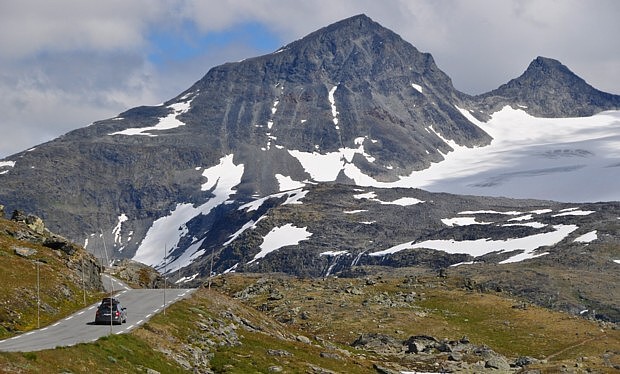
[271,323]
[68,279]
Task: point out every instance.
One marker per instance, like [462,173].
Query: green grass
[116,353]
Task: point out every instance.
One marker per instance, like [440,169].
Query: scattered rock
[24,251]
[33,222]
[303,339]
[278,352]
[497,362]
[421,343]
[379,343]
[525,360]
[331,355]
[319,370]
[383,370]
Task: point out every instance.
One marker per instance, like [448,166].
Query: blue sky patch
[188,42]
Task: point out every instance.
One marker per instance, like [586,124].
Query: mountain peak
[551,69]
[358,23]
[549,88]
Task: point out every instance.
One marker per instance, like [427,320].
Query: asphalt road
[141,305]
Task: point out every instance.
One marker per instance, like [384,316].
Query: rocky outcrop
[31,229]
[138,274]
[450,355]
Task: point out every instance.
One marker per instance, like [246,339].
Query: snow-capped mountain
[214,178]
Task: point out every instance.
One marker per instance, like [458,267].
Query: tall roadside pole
[38,297]
[165,275]
[83,282]
[105,250]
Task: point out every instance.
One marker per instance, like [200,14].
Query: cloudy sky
[67,63]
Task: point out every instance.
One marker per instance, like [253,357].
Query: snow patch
[536,225]
[332,102]
[287,183]
[403,201]
[116,231]
[417,87]
[574,213]
[6,164]
[462,221]
[510,213]
[333,253]
[165,123]
[187,279]
[279,237]
[515,165]
[234,236]
[293,197]
[480,247]
[587,237]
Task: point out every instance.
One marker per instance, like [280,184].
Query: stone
[303,339]
[525,360]
[497,362]
[330,355]
[421,343]
[24,251]
[379,343]
[278,352]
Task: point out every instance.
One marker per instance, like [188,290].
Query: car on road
[111,311]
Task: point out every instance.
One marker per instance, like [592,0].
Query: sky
[67,63]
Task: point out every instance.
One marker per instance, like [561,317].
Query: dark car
[111,311]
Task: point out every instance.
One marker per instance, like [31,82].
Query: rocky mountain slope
[212,179]
[558,255]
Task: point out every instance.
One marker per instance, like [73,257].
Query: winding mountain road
[79,327]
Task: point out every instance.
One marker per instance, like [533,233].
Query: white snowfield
[562,159]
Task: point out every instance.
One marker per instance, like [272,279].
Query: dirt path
[554,355]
